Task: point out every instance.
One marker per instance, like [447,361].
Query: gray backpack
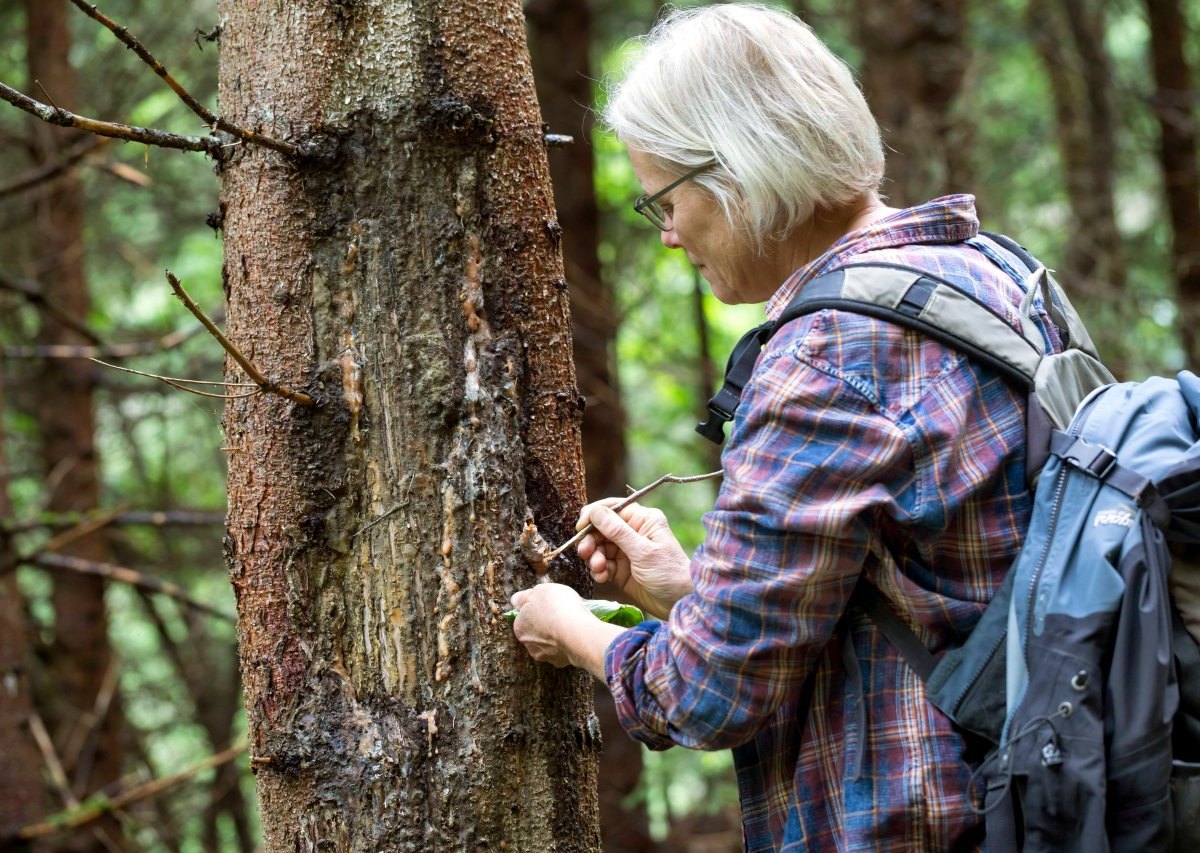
[1081,677]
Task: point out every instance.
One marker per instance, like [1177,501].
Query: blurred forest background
[1072,121]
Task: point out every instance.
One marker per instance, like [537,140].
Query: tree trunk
[1177,154]
[412,284]
[90,747]
[21,790]
[914,63]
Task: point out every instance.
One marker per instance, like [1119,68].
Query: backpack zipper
[1060,485]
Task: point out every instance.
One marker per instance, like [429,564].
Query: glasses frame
[649,207]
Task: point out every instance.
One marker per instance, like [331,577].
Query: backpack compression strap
[908,297]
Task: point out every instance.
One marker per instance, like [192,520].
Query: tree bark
[21,790]
[412,284]
[91,748]
[914,64]
[1178,156]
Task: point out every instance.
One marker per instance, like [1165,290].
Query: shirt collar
[950,219]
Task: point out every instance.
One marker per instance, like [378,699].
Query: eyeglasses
[649,207]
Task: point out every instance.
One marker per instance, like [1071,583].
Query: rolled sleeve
[809,460]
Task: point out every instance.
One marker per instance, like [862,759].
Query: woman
[859,450]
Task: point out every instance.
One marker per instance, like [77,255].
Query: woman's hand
[555,627]
[637,551]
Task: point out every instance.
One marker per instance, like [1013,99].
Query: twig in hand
[253,372]
[210,118]
[645,490]
[210,145]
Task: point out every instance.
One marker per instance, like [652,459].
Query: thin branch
[211,119]
[175,382]
[49,755]
[161,518]
[130,350]
[96,808]
[60,563]
[83,528]
[83,147]
[175,378]
[665,478]
[253,372]
[558,140]
[210,145]
[35,295]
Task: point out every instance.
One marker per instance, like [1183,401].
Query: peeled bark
[1176,114]
[411,282]
[90,748]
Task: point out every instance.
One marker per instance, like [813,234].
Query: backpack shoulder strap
[908,297]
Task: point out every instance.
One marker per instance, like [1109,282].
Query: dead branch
[62,563]
[665,478]
[83,147]
[161,518]
[210,145]
[211,119]
[35,296]
[97,807]
[182,384]
[58,776]
[267,385]
[130,350]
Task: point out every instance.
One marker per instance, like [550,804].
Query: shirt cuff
[624,669]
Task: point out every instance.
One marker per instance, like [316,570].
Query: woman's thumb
[617,531]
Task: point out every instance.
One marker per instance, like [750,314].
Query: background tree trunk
[1070,38]
[21,790]
[88,742]
[914,63]
[560,35]
[413,284]
[559,40]
[1176,115]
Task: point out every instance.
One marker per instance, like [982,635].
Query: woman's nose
[669,239]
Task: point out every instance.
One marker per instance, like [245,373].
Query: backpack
[1081,678]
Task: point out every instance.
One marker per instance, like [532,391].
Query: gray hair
[754,90]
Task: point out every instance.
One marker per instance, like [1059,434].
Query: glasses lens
[654,212]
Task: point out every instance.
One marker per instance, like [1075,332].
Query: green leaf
[623,615]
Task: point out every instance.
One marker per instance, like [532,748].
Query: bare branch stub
[267,385]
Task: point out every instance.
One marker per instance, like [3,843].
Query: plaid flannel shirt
[859,447]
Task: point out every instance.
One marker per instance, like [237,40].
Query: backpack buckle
[1095,459]
[1101,462]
